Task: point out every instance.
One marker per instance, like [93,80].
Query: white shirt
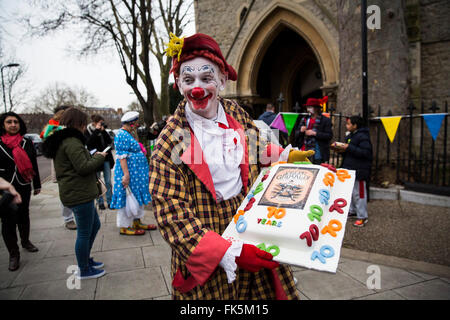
[222,150]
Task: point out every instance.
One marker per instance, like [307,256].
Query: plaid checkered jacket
[191,221]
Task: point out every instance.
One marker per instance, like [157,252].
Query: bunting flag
[391,125]
[285,121]
[278,123]
[289,120]
[434,123]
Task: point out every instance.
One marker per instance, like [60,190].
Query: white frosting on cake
[293,188]
[287,235]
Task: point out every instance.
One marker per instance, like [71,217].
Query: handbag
[132,205]
[101,187]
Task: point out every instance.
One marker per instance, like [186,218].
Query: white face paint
[199,82]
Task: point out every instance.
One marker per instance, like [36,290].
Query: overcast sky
[48,61]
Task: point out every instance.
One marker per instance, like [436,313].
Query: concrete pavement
[139,267]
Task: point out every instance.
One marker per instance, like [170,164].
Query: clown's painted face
[200,81]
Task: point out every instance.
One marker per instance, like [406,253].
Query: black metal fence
[413,157]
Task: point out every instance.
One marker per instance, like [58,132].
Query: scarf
[21,158]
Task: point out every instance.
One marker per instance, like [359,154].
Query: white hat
[130,116]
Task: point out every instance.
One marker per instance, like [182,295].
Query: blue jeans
[107,180]
[88,225]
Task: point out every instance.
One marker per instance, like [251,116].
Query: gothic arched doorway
[290,67]
[288,51]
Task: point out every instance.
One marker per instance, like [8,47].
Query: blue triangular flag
[434,123]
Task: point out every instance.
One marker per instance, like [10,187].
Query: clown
[199,179]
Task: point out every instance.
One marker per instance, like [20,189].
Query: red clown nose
[198,93]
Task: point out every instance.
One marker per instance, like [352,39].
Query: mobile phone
[107,149]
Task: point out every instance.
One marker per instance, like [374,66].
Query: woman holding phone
[76,171]
[132,173]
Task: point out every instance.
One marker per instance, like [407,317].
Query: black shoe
[14,263]
[102,207]
[352,215]
[29,247]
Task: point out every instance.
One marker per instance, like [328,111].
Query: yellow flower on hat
[174,46]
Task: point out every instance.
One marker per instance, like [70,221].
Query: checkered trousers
[185,210]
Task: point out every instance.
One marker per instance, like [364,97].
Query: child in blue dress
[132,172]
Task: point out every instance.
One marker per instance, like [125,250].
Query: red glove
[270,155]
[254,259]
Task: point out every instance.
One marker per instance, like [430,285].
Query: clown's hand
[300,156]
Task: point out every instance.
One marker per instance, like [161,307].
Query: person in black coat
[357,155]
[315,132]
[98,138]
[18,166]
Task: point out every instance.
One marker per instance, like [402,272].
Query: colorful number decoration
[324,196]
[241,224]
[237,215]
[342,174]
[273,249]
[316,212]
[329,167]
[326,252]
[249,204]
[332,227]
[338,205]
[266,175]
[259,188]
[329,179]
[312,234]
[277,213]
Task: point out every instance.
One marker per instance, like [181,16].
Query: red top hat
[312,102]
[197,45]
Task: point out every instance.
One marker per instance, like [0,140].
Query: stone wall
[387,59]
[435,50]
[401,65]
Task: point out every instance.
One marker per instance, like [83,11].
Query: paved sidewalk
[139,267]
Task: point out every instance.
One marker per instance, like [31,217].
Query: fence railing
[414,155]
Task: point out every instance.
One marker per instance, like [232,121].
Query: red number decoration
[338,205]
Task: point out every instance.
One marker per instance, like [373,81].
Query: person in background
[315,132]
[357,155]
[18,166]
[132,172]
[97,138]
[77,180]
[50,128]
[269,115]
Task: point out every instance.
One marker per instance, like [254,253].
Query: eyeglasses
[12,121]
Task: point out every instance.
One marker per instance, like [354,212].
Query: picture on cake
[289,188]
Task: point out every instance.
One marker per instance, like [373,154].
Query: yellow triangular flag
[391,125]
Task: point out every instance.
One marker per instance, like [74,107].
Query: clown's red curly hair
[193,54]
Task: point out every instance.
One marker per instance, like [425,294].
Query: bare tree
[126,25]
[60,94]
[170,17]
[16,94]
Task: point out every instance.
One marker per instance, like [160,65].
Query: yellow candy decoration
[174,46]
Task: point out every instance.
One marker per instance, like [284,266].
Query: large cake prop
[297,212]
